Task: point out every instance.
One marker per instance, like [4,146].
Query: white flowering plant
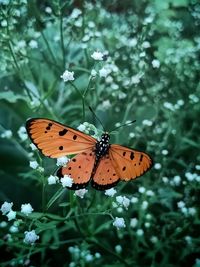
[130,60]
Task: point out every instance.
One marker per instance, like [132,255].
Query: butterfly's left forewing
[55,140]
[129,164]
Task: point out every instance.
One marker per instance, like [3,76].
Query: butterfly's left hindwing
[129,164]
[80,169]
[56,140]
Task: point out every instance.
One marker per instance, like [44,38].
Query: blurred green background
[153,76]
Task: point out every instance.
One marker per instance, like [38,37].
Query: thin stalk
[62,39]
[48,47]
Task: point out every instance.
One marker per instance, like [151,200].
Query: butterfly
[100,162]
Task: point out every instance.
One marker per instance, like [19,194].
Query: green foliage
[152,74]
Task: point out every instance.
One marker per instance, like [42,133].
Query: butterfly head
[105,137]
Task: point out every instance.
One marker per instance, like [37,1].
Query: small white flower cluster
[26,209]
[82,255]
[89,128]
[119,223]
[192,176]
[66,181]
[186,211]
[6,209]
[174,107]
[97,56]
[34,165]
[6,134]
[147,122]
[110,192]
[67,76]
[30,237]
[81,192]
[143,190]
[22,133]
[193,98]
[62,161]
[52,179]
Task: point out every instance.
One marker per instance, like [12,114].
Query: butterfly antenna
[125,124]
[97,118]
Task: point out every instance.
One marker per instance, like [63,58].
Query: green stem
[62,38]
[48,47]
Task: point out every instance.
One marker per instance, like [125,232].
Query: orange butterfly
[104,164]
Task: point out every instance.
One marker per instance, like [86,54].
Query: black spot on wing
[75,137]
[60,147]
[132,156]
[141,157]
[63,132]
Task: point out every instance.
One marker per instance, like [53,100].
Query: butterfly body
[100,162]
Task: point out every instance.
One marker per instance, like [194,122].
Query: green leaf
[11,97]
[55,197]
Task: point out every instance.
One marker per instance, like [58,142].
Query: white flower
[147,122]
[155,63]
[30,237]
[67,76]
[26,209]
[165,152]
[75,13]
[81,192]
[154,239]
[181,204]
[133,222]
[119,222]
[150,193]
[89,257]
[33,44]
[97,255]
[134,200]
[197,167]
[192,211]
[62,161]
[119,199]
[11,215]
[104,72]
[66,181]
[141,189]
[165,180]
[157,166]
[22,133]
[6,207]
[97,56]
[139,232]
[126,202]
[33,147]
[48,10]
[147,224]
[33,164]
[13,229]
[110,192]
[7,134]
[52,179]
[81,127]
[190,177]
[118,248]
[177,180]
[3,224]
[93,73]
[146,44]
[106,104]
[145,204]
